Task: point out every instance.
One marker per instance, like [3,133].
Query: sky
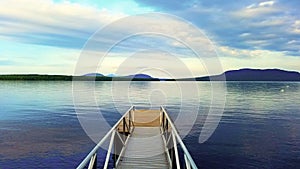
[48,36]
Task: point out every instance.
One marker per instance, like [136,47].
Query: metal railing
[171,139]
[127,127]
[118,142]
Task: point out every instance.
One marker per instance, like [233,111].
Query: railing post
[118,145]
[93,162]
[124,136]
[172,157]
[167,124]
[173,150]
[187,163]
[91,154]
[132,116]
[163,120]
[176,151]
[116,148]
[129,120]
[109,150]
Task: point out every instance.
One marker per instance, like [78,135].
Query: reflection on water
[260,127]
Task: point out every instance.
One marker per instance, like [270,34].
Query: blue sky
[46,36]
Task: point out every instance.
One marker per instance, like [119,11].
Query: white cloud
[274,21]
[261,4]
[266,3]
[42,17]
[225,51]
[297,23]
[157,63]
[260,59]
[258,43]
[293,42]
[251,6]
[255,10]
[39,59]
[155,30]
[245,34]
[296,27]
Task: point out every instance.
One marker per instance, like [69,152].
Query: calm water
[260,126]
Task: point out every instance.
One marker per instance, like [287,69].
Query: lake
[259,128]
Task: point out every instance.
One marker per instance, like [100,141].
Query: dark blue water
[260,126]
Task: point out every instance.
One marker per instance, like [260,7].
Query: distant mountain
[94,74]
[111,75]
[255,75]
[232,75]
[139,76]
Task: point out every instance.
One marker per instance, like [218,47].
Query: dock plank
[145,149]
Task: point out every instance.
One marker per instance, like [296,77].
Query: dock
[142,139]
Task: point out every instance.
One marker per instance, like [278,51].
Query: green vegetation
[35,77]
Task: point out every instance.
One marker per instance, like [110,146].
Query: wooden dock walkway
[142,139]
[145,149]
